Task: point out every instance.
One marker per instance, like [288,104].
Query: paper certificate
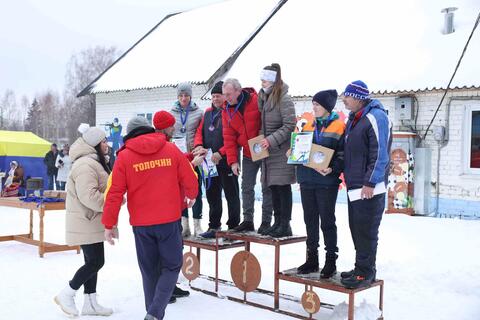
[300,145]
[209,168]
[355,194]
[181,143]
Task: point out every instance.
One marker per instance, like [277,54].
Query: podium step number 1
[246,272]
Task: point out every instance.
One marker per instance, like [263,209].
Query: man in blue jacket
[367,158]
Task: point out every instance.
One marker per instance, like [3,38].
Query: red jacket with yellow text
[156,175]
[241,126]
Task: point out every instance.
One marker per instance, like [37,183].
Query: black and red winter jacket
[241,126]
[156,176]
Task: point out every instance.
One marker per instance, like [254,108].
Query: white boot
[197,227]
[66,301]
[92,308]
[186,227]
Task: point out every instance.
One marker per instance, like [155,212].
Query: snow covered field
[431,269]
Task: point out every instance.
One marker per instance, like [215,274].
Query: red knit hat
[162,120]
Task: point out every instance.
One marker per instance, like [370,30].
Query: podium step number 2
[246,272]
[191,266]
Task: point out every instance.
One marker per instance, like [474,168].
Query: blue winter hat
[357,89]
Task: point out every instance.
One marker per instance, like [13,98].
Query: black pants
[282,202]
[94,255]
[319,209]
[198,205]
[228,182]
[364,217]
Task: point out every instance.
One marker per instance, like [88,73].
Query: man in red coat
[153,173]
[241,122]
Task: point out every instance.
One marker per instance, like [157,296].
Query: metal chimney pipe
[448,20]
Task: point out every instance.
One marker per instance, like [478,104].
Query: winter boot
[186,227]
[172,300]
[244,227]
[311,265]
[274,226]
[91,307]
[66,300]
[210,233]
[179,293]
[264,228]
[283,230]
[197,227]
[330,267]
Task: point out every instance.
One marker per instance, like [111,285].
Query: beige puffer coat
[85,196]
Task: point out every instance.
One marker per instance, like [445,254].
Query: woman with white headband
[278,122]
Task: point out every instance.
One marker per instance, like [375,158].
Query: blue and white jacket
[368,140]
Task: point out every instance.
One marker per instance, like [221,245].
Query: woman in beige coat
[85,196]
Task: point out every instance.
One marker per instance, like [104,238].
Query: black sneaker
[244,227]
[179,293]
[347,274]
[172,300]
[263,228]
[284,230]
[357,281]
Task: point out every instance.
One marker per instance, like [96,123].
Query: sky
[37,38]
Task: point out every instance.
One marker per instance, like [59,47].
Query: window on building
[472,140]
[149,116]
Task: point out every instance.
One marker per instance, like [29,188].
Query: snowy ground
[431,269]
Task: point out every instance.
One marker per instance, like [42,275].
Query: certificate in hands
[300,145]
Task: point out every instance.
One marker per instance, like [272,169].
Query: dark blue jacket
[332,138]
[367,147]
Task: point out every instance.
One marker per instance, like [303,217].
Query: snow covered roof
[189,46]
[391,45]
[394,46]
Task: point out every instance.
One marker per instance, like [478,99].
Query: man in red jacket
[241,121]
[153,173]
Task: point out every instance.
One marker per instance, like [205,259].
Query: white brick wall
[453,182]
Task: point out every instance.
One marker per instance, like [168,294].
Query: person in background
[63,164]
[241,121]
[368,140]
[52,170]
[157,178]
[278,122]
[210,136]
[86,185]
[14,181]
[187,119]
[319,187]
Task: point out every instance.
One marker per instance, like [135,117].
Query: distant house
[401,50]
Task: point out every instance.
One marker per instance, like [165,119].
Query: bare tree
[82,69]
[10,115]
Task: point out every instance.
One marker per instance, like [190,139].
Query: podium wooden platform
[253,237]
[215,245]
[313,280]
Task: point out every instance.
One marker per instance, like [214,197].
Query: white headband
[268,75]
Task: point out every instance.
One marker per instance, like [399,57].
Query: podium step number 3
[310,302]
[246,272]
[191,266]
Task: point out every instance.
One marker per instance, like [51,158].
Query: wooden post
[30,235]
[351,305]
[41,247]
[276,290]
[216,264]
[381,298]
